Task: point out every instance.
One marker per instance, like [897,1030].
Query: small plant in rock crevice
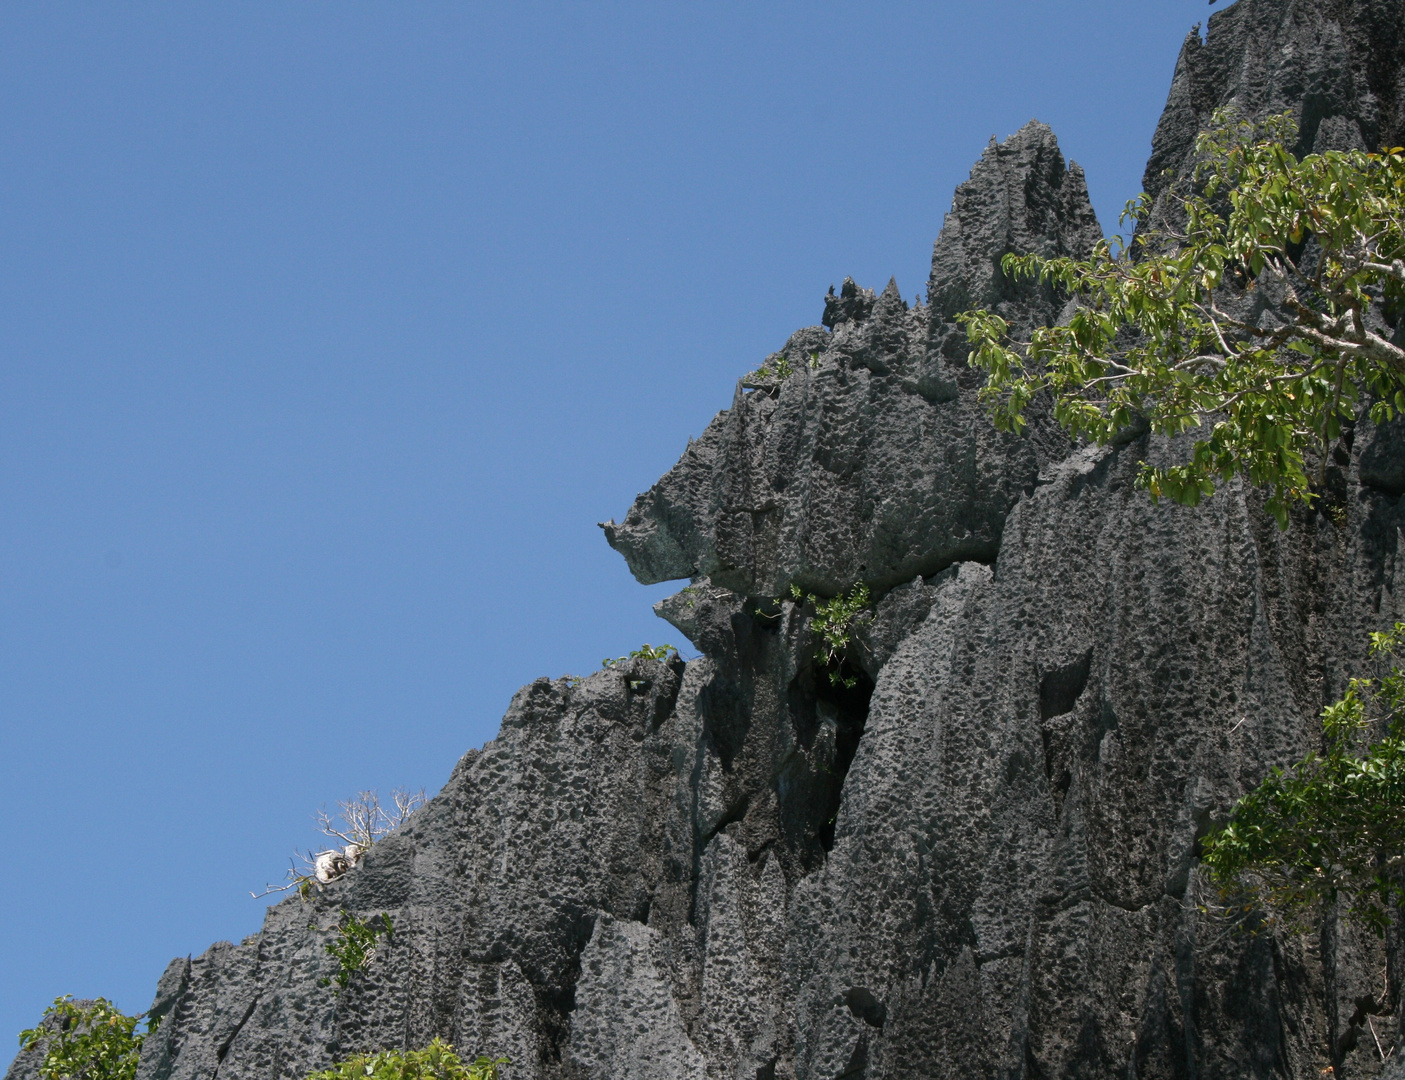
[356,944]
[833,624]
[778,367]
[644,652]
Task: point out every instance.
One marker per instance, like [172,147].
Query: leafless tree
[358,823]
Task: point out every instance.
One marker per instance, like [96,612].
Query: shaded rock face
[979,858]
[1338,66]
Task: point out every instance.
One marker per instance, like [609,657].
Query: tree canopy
[1331,827]
[437,1061]
[86,1041]
[1253,306]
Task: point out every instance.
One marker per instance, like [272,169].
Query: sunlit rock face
[975,856]
[873,461]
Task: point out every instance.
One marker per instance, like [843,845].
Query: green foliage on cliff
[93,1042]
[437,1061]
[1161,337]
[1331,827]
[644,652]
[833,622]
[354,945]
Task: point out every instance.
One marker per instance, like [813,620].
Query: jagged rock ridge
[874,461]
[980,858]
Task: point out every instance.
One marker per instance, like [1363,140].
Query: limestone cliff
[979,860]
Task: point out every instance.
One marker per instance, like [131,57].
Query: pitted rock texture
[977,857]
[1337,66]
[874,462]
[1020,198]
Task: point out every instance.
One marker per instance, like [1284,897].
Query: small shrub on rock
[437,1061]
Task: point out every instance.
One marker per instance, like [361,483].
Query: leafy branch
[1153,339]
[1332,826]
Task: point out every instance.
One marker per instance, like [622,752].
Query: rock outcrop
[1338,67]
[975,855]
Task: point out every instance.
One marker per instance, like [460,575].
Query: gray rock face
[873,461]
[978,857]
[1338,67]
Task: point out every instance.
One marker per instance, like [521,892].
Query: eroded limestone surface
[979,860]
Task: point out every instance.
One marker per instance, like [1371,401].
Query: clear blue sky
[328,331]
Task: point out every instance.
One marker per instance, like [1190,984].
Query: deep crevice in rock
[865,1006]
[556,997]
[827,723]
[730,816]
[223,1049]
[1060,687]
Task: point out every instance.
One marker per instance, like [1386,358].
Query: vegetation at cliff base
[437,1061]
[1255,305]
[1332,827]
[87,1041]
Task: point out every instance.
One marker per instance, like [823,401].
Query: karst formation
[973,856]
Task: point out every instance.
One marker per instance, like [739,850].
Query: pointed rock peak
[1035,135]
[1035,131]
[853,304]
[1022,197]
[890,304]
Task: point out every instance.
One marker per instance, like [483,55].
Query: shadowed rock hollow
[980,859]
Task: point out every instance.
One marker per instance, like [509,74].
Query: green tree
[89,1041]
[1331,827]
[1254,308]
[1172,336]
[437,1061]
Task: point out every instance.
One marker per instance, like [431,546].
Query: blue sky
[328,331]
